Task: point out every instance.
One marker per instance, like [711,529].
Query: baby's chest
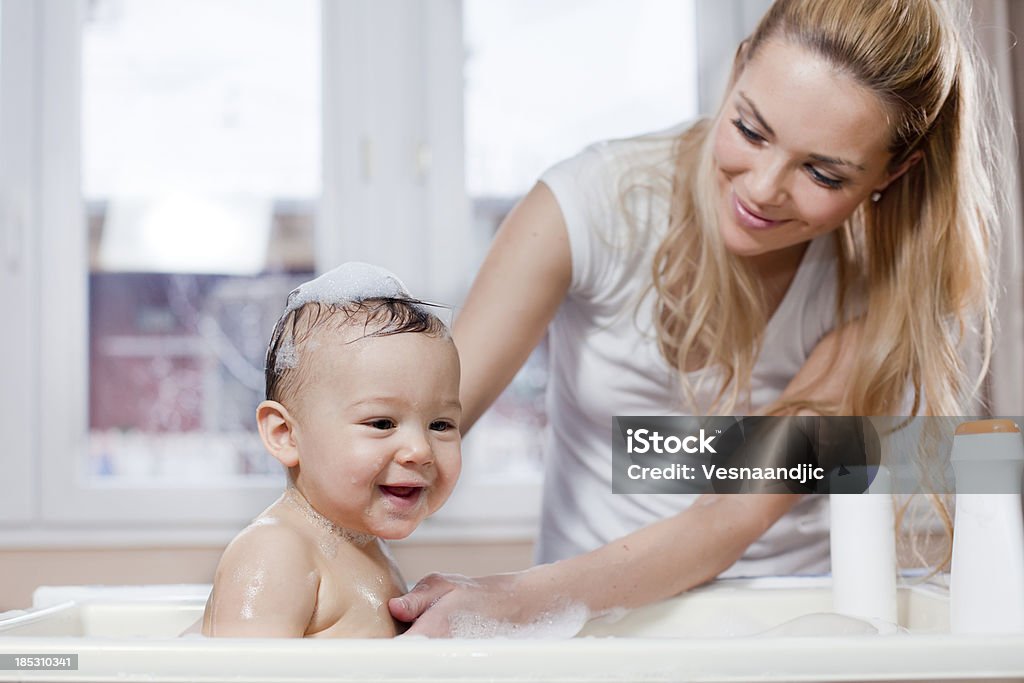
[352,602]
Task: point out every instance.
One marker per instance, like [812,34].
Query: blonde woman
[822,245]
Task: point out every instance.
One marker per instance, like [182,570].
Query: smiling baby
[362,389]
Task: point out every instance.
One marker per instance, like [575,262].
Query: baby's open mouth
[405,492]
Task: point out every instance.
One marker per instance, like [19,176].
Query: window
[184,150]
[178,151]
[174,167]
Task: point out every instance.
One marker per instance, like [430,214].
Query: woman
[824,245]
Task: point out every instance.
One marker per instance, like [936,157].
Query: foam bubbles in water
[352,281]
[564,622]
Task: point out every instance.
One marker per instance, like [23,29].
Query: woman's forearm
[665,558]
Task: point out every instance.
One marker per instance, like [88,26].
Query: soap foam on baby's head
[353,294]
[349,282]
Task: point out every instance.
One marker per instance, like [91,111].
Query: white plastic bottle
[987,573]
[863,547]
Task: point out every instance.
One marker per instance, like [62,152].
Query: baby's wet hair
[379,317]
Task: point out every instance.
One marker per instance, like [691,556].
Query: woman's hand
[508,605]
[424,595]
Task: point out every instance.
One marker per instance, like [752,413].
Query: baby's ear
[277,432]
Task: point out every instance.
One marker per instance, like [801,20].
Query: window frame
[18,141]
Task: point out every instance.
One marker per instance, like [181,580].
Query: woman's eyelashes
[817,176]
[822,179]
[746,132]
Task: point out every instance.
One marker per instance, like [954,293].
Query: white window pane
[545,78]
[215,96]
[201,173]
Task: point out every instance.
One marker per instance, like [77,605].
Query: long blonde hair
[921,258]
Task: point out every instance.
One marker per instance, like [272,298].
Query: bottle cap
[997,426]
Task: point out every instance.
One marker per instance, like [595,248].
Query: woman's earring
[875,196]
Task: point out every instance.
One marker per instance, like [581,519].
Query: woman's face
[798,146]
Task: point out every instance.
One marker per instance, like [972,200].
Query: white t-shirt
[605,359]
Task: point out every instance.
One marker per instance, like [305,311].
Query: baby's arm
[265,586]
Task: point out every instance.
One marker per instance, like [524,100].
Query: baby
[363,409]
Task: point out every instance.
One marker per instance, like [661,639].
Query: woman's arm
[516,294]
[650,564]
[653,563]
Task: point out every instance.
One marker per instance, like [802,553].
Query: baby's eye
[383,423]
[441,425]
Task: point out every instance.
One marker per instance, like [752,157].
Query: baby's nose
[415,449]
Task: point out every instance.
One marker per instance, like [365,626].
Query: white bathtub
[715,633]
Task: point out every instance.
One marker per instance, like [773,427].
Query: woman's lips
[748,218]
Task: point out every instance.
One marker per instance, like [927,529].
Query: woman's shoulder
[614,198]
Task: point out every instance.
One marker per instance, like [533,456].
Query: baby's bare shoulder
[271,546]
[265,585]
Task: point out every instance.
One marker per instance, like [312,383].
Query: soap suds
[559,623]
[287,355]
[336,532]
[352,281]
